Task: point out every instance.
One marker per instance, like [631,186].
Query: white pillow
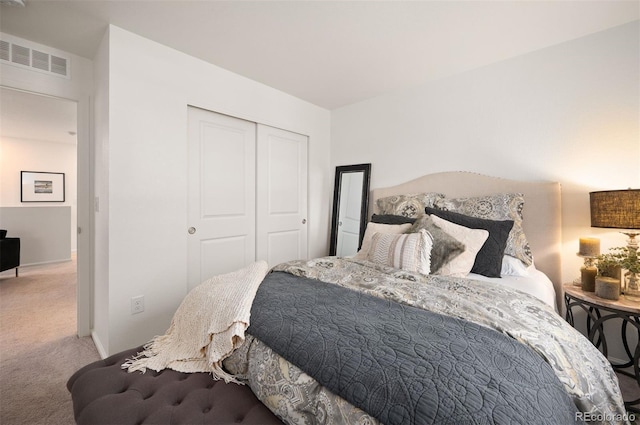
[378,228]
[408,251]
[473,239]
[511,266]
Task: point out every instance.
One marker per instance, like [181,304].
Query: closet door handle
[191,230]
[304,221]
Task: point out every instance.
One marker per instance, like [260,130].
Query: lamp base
[632,280]
[632,242]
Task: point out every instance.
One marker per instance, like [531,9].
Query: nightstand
[598,311]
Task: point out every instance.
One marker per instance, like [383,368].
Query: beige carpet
[39,348]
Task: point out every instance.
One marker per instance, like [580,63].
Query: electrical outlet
[137,304]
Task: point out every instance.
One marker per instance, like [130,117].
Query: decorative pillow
[501,206]
[410,251]
[489,259]
[378,228]
[410,205]
[473,239]
[445,247]
[391,219]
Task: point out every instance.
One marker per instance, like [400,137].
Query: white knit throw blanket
[207,327]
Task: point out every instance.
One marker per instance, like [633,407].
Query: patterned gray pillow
[501,206]
[409,205]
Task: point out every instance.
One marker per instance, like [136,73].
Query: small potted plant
[609,266]
[607,283]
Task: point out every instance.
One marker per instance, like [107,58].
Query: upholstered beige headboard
[542,215]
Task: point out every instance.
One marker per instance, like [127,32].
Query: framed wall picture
[38,186]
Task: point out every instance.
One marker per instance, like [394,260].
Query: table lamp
[618,209]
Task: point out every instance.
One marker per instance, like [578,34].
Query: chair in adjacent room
[9,253]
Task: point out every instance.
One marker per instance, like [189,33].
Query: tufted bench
[103,393]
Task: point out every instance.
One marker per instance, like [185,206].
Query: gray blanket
[405,365]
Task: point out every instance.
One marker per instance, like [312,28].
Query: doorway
[38,133]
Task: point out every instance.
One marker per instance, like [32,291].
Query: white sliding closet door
[222,194]
[281,195]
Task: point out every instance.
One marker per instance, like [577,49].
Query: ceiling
[35,117]
[329,53]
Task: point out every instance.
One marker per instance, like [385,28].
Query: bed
[373,339]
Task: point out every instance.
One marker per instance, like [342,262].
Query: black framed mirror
[350,206]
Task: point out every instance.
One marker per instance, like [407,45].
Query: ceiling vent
[22,55]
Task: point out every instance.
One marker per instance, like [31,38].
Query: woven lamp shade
[619,209]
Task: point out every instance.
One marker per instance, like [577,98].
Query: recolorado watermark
[599,417]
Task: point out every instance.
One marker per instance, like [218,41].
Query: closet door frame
[247,194]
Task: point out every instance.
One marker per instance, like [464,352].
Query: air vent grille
[40,60]
[21,55]
[5,50]
[58,65]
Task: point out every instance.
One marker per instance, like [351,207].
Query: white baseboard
[99,346]
[62,260]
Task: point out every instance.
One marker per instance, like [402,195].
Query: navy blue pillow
[489,259]
[391,219]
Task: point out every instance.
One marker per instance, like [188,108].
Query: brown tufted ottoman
[103,393]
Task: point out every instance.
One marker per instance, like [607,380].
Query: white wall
[36,155]
[149,88]
[568,113]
